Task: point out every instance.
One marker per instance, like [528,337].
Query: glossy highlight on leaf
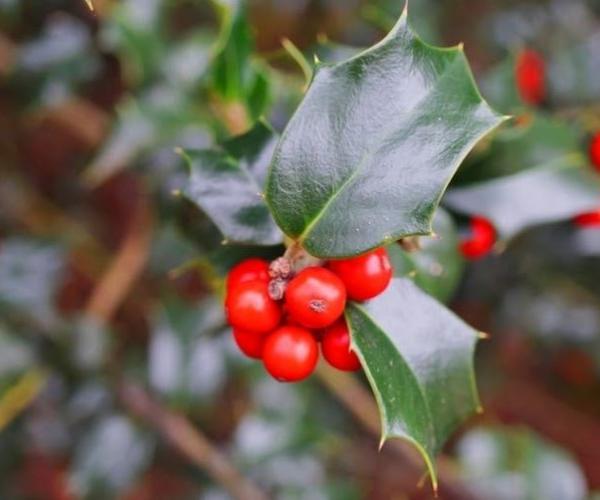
[418,358]
[227,184]
[370,150]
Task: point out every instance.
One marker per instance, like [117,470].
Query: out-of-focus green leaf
[187,61]
[573,73]
[30,272]
[371,148]
[227,184]
[515,464]
[49,68]
[158,117]
[109,458]
[135,31]
[418,358]
[437,266]
[186,362]
[539,195]
[541,139]
[235,76]
[16,354]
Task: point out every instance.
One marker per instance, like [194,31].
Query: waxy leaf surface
[227,184]
[372,147]
[418,358]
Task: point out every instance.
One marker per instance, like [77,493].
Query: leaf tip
[90,5]
[483,335]
[179,151]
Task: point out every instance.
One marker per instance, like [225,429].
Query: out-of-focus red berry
[594,151]
[588,219]
[530,76]
[481,240]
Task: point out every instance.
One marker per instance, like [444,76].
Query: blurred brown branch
[184,437]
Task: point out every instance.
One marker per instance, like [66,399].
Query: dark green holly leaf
[418,358]
[436,267]
[227,184]
[555,192]
[507,463]
[369,152]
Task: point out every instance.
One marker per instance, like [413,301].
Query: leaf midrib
[369,154]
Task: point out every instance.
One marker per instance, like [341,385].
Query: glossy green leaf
[418,358]
[539,195]
[227,184]
[369,152]
[437,266]
[514,463]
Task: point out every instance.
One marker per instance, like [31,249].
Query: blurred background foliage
[118,376]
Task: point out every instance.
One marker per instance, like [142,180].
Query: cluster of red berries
[280,316]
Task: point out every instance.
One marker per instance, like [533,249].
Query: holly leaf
[372,147]
[436,267]
[227,184]
[418,358]
[548,193]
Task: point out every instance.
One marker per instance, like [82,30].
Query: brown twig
[360,403]
[126,267]
[180,433]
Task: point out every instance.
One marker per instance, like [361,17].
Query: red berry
[594,151]
[250,343]
[315,298]
[249,307]
[588,219]
[481,241]
[335,345]
[530,75]
[248,270]
[365,276]
[290,353]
